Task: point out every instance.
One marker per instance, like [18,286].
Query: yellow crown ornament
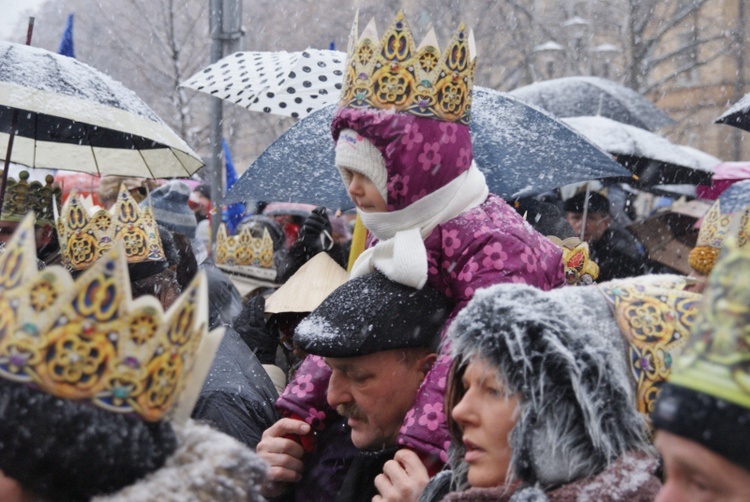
[245,255]
[393,73]
[715,229]
[87,340]
[22,197]
[580,269]
[86,233]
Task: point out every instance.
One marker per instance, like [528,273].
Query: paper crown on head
[245,255]
[393,73]
[86,233]
[715,229]
[87,340]
[579,267]
[22,197]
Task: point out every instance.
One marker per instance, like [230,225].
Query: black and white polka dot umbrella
[292,84]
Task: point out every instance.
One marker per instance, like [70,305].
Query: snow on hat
[578,359]
[354,152]
[371,314]
[170,206]
[707,398]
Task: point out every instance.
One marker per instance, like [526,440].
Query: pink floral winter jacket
[485,245]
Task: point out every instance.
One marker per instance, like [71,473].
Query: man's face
[596,224]
[375,391]
[695,473]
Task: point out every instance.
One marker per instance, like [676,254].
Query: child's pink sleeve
[305,395]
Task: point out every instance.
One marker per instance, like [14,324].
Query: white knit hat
[354,152]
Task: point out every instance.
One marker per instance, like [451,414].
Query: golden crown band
[86,235]
[22,197]
[396,74]
[244,250]
[87,340]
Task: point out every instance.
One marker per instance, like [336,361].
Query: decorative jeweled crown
[579,267]
[717,361]
[22,197]
[715,229]
[244,254]
[87,340]
[396,74]
[85,237]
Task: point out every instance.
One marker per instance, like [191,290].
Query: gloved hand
[251,326]
[316,231]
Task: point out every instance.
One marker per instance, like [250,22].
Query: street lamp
[576,29]
[546,55]
[603,55]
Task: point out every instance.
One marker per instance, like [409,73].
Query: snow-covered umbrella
[520,149]
[594,96]
[292,84]
[652,158]
[72,116]
[738,115]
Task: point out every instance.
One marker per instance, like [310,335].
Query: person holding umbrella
[405,155]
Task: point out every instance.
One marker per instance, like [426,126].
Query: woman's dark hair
[69,451]
[453,394]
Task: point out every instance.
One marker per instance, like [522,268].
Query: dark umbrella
[738,114]
[580,96]
[520,149]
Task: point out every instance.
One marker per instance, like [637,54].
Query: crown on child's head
[716,227]
[86,234]
[579,267]
[244,254]
[396,74]
[22,197]
[87,340]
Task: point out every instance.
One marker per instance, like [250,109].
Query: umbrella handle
[359,238]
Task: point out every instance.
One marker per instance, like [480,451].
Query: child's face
[365,194]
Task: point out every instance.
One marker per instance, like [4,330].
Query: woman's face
[485,415]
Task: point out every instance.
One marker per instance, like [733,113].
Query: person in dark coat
[237,397]
[615,250]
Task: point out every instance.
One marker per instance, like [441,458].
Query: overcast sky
[12,12]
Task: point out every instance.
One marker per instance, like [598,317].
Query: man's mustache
[351,410]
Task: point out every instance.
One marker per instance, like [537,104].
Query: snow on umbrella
[738,115]
[71,116]
[652,158]
[292,84]
[595,96]
[520,149]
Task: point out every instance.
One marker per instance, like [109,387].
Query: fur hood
[562,353]
[206,466]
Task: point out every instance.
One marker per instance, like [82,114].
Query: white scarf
[400,253]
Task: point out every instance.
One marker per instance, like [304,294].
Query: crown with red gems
[393,73]
[87,233]
[22,197]
[87,340]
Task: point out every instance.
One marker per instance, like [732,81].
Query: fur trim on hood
[562,353]
[206,466]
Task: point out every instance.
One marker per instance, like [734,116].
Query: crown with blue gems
[87,340]
[87,233]
[394,73]
[244,254]
[22,197]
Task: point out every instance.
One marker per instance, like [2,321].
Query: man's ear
[426,362]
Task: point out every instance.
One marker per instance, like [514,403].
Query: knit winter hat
[371,314]
[170,203]
[707,399]
[597,203]
[354,152]
[582,361]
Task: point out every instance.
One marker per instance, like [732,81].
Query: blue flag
[231,214]
[66,44]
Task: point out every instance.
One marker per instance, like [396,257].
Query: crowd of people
[476,350]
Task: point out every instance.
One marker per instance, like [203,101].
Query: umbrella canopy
[520,149]
[653,158]
[292,84]
[71,116]
[595,96]
[738,115]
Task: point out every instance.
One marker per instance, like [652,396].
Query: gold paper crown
[715,228]
[717,362]
[396,74]
[22,197]
[244,254]
[88,340]
[85,237]
[579,268]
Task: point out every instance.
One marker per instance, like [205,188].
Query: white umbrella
[292,84]
[71,116]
